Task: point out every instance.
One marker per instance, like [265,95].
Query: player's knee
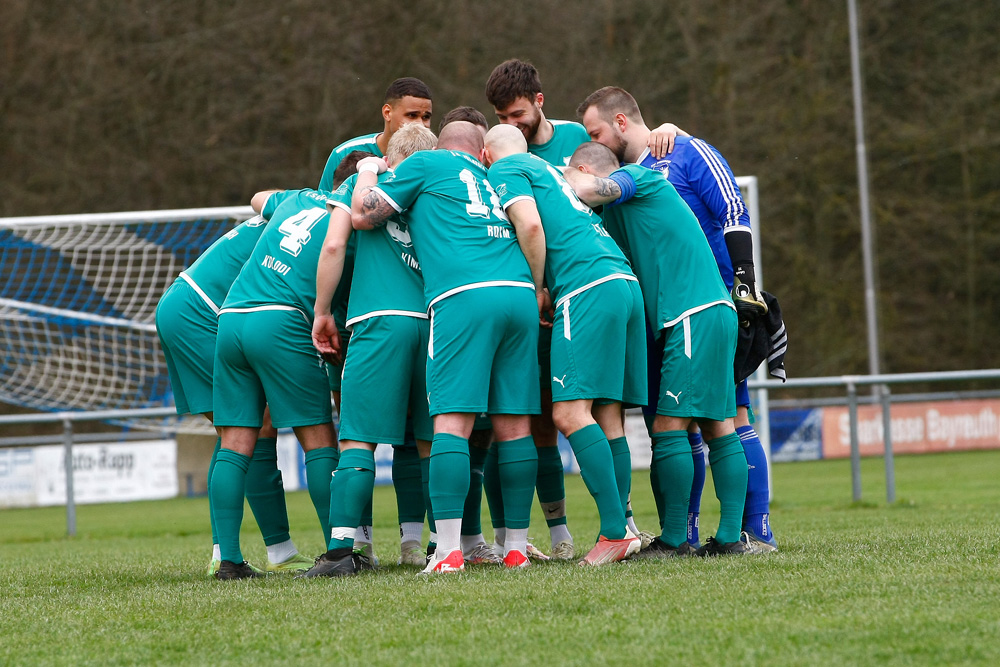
[569,417]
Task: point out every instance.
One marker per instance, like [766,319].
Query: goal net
[78,295]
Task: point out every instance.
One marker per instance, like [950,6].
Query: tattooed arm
[368,209]
[371,212]
[592,190]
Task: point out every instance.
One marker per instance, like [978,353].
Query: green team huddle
[463,295]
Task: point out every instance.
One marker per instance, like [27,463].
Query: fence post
[852,411]
[68,457]
[890,465]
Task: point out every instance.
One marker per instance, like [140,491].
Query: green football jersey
[566,138]
[667,249]
[213,273]
[363,143]
[461,236]
[578,251]
[387,278]
[281,271]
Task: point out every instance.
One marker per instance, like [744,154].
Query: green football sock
[366,514]
[472,521]
[407,485]
[654,481]
[350,490]
[425,476]
[654,484]
[208,488]
[551,486]
[228,488]
[518,464]
[266,493]
[593,453]
[675,471]
[320,464]
[449,476]
[491,484]
[729,474]
[622,458]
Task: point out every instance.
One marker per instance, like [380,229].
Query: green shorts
[599,345]
[696,378]
[384,379]
[187,328]
[483,352]
[267,357]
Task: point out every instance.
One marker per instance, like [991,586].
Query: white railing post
[852,412]
[68,458]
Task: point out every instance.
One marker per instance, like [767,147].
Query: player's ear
[539,99]
[386,112]
[621,122]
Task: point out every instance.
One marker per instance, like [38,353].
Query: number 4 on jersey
[297,230]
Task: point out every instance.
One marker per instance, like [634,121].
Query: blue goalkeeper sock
[697,486]
[757,511]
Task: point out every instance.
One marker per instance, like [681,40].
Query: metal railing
[881,383]
[762,387]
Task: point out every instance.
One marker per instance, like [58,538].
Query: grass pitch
[917,582]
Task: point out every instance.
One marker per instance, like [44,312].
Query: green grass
[916,582]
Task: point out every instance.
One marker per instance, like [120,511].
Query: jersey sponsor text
[275,265]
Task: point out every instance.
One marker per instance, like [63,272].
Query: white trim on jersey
[517,199]
[200,292]
[359,141]
[613,276]
[388,200]
[261,309]
[488,283]
[264,205]
[697,309]
[642,157]
[330,203]
[735,206]
[382,313]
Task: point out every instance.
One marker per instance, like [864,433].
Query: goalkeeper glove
[746,296]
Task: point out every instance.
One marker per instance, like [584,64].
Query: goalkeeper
[703,178]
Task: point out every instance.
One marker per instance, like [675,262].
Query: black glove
[746,296]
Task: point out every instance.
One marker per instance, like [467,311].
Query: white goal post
[78,295]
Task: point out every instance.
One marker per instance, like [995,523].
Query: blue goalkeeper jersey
[704,180]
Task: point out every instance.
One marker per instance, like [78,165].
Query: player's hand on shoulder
[373,164]
[661,140]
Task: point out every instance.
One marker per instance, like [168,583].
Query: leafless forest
[109,105]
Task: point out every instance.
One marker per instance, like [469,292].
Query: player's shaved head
[504,140]
[597,157]
[461,135]
[611,100]
[407,140]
